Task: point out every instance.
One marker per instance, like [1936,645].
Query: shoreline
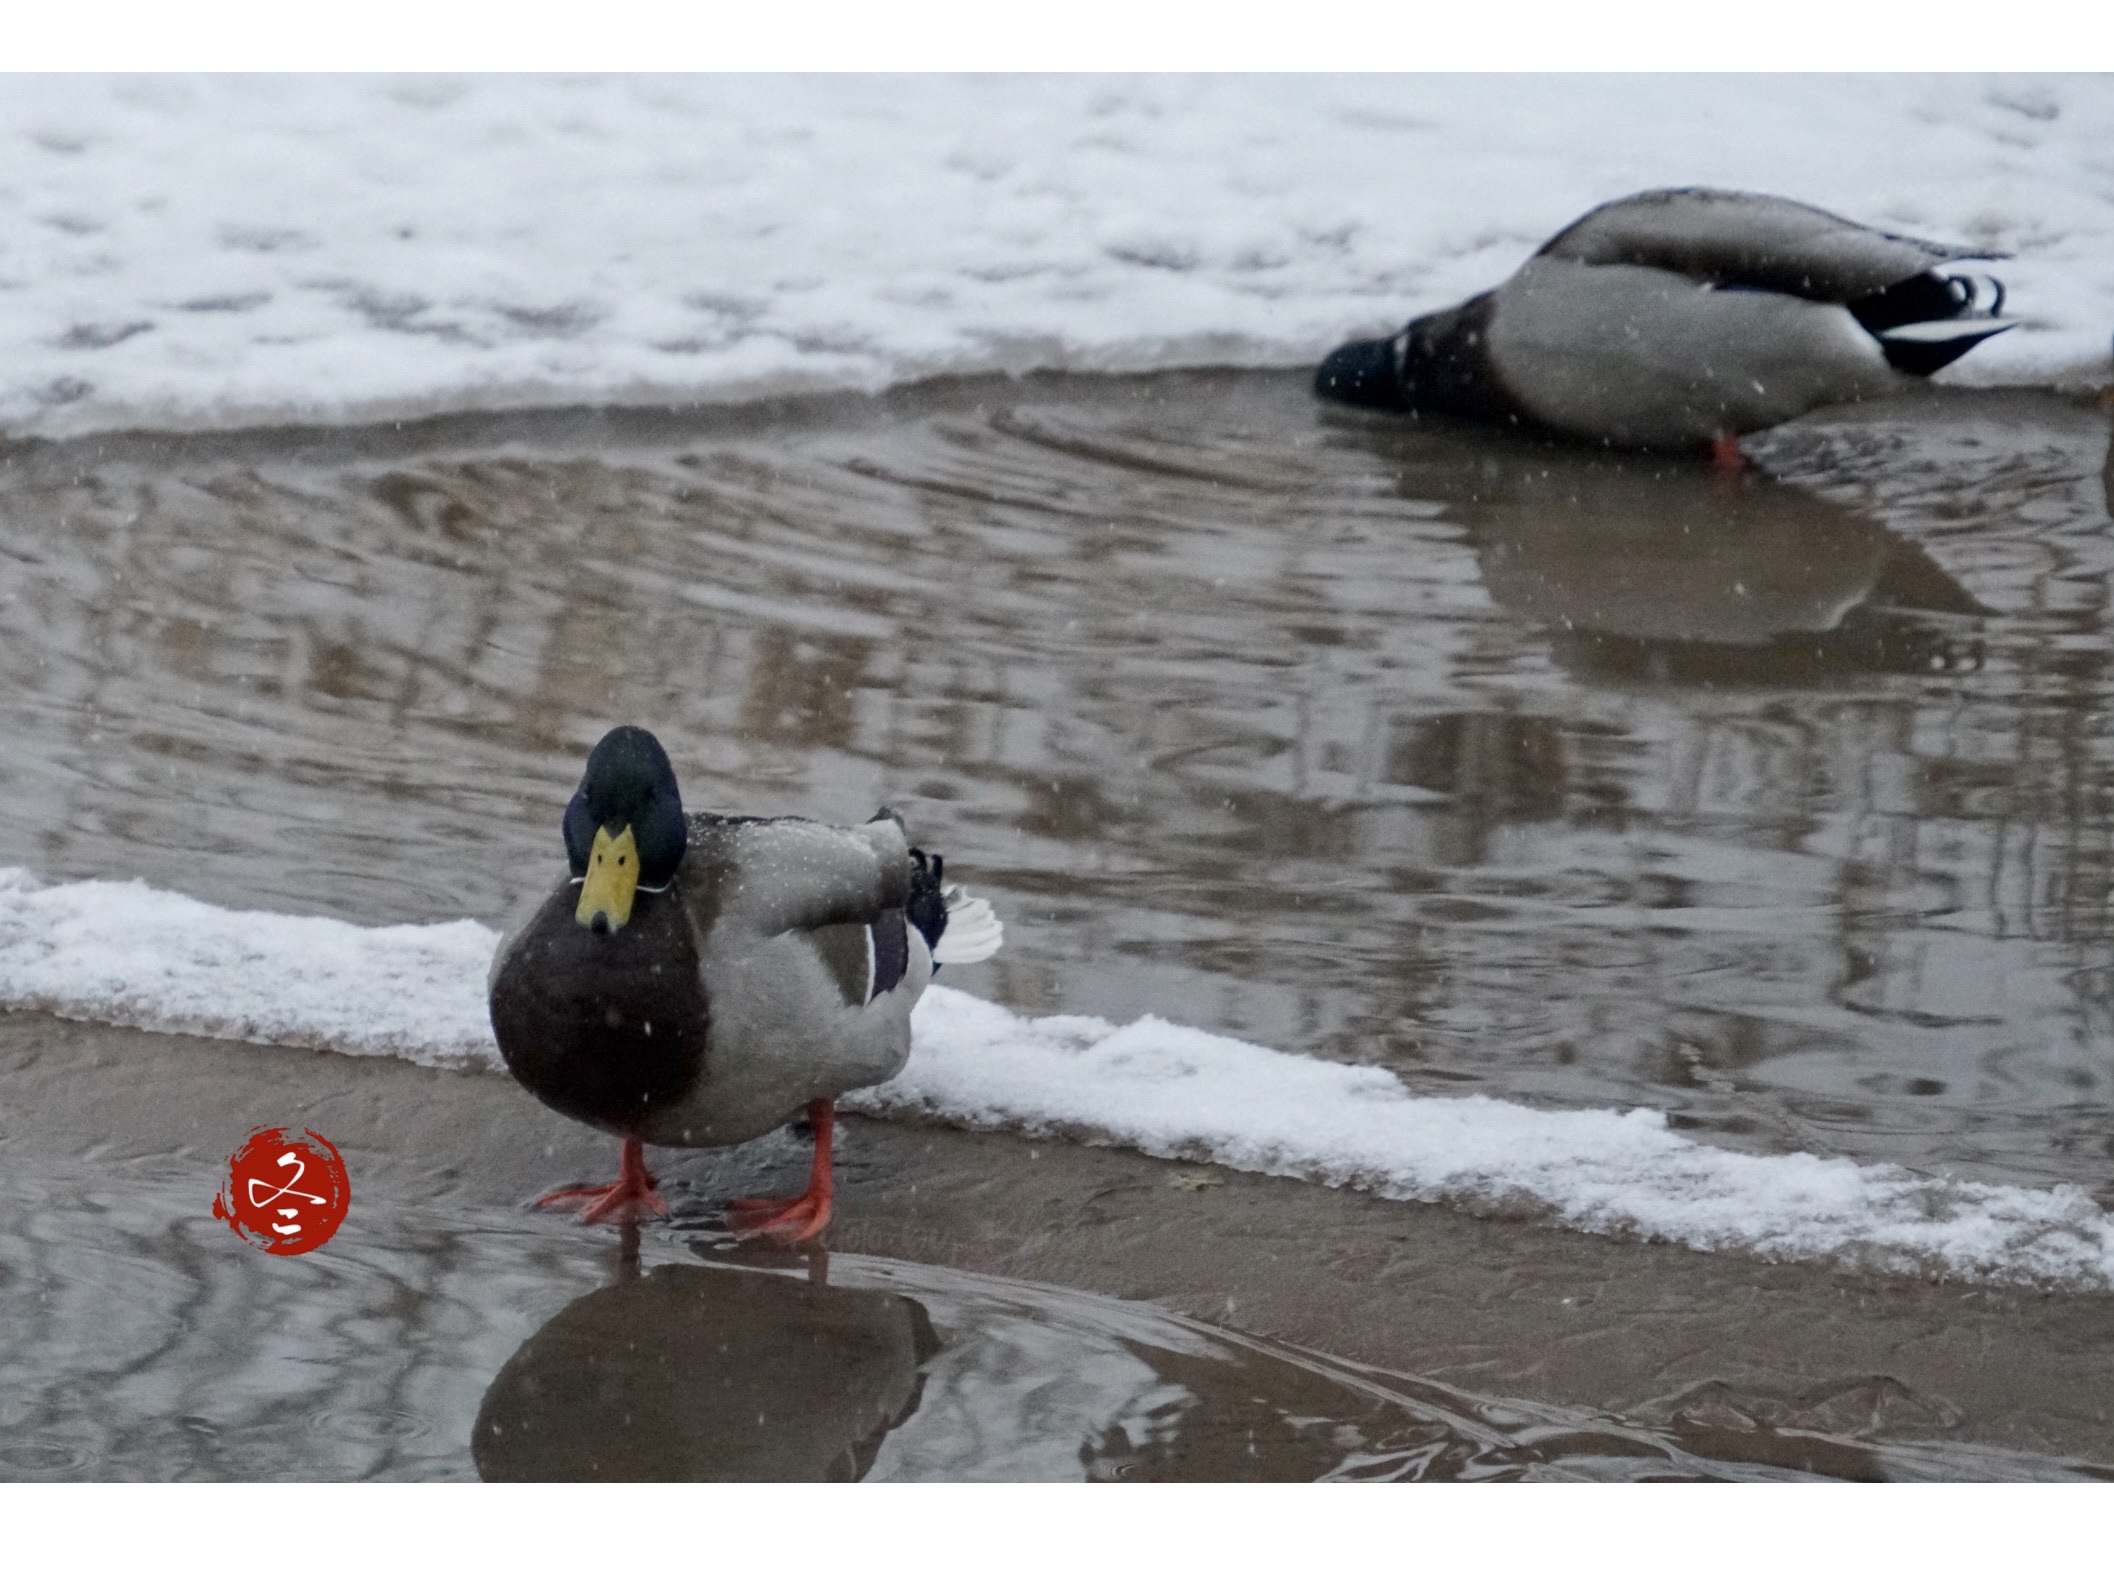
[472,416]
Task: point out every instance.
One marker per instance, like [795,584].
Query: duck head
[1364,374]
[1439,363]
[624,829]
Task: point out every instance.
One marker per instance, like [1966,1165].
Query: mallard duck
[1683,317]
[700,980]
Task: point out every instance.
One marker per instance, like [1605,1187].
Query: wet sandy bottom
[962,1328]
[139,1343]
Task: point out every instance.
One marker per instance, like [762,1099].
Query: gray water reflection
[849,1368]
[699,1372]
[140,1340]
[1672,575]
[1524,771]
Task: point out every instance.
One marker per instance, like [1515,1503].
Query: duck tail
[1929,347]
[1928,320]
[957,928]
[973,931]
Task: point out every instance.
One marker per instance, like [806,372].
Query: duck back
[1753,240]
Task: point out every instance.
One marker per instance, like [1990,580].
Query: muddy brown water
[1776,803]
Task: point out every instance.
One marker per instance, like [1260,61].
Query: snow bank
[1189,1095]
[192,251]
[124,952]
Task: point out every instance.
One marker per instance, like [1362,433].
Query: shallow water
[139,1341]
[1775,803]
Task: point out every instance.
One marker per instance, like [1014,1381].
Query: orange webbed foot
[793,1221]
[796,1220]
[631,1197]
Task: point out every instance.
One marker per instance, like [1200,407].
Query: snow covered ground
[183,251]
[125,952]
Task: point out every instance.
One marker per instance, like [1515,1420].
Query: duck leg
[797,1220]
[1725,454]
[632,1192]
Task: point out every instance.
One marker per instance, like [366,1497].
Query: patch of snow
[128,953]
[1188,1095]
[124,952]
[179,251]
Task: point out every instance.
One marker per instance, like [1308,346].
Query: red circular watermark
[286,1191]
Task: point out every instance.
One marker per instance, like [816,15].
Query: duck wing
[793,874]
[1721,238]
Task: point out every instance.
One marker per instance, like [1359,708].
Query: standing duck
[700,980]
[1683,317]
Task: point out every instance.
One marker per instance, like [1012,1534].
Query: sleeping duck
[1683,317]
[702,979]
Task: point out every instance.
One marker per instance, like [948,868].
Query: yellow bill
[612,880]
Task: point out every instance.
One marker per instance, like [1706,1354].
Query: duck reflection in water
[719,1372]
[734,1369]
[692,1372]
[1657,570]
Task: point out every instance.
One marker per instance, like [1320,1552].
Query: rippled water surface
[1778,803]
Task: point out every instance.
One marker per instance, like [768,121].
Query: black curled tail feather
[927,906]
[1929,320]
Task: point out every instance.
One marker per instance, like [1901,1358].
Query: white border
[1061,35]
[1024,1535]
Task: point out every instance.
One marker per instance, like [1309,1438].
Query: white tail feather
[973,932]
[1943,330]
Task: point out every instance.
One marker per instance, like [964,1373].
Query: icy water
[138,1341]
[1776,803]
